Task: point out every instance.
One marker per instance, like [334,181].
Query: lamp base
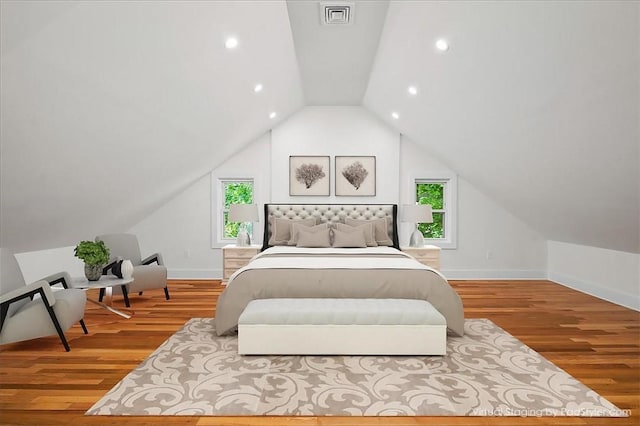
[244,239]
[416,240]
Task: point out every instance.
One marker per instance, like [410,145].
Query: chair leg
[84,327]
[101,296]
[52,314]
[166,292]
[125,294]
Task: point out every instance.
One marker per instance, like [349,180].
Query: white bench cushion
[341,326]
[341,311]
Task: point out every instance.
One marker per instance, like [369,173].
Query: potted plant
[95,256]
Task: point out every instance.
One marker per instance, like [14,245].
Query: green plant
[432,194]
[92,252]
[236,193]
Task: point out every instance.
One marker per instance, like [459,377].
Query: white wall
[491,242]
[607,274]
[335,131]
[182,229]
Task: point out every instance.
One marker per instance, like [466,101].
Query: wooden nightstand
[234,258]
[427,255]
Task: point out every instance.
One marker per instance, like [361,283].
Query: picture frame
[355,176]
[309,175]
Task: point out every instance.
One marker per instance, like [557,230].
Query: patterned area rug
[487,372]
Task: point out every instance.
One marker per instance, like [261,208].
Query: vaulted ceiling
[108,109]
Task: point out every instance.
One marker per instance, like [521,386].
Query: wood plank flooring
[595,341]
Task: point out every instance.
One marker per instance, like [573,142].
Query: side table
[234,258]
[427,255]
[106,282]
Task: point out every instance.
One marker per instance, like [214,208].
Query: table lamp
[243,213]
[417,213]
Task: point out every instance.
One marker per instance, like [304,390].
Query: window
[232,191]
[440,194]
[432,193]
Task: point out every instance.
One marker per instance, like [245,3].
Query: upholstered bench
[341,327]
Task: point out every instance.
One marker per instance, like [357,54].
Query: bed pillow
[380,225]
[367,229]
[320,238]
[349,239]
[297,227]
[281,229]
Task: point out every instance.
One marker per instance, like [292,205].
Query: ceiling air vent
[336,13]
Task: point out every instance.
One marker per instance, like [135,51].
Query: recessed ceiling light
[413,90]
[258,88]
[442,45]
[395,115]
[231,43]
[272,115]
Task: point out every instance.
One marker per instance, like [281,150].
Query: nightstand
[234,258]
[427,255]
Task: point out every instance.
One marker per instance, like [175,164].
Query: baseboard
[454,274]
[631,301]
[628,300]
[498,274]
[194,274]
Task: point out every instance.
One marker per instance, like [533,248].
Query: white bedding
[364,273]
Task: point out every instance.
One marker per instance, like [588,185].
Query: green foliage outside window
[432,194]
[236,193]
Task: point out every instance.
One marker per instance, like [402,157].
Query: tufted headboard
[331,213]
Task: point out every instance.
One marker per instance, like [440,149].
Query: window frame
[218,209]
[450,182]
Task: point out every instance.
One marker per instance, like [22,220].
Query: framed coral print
[309,175]
[356,176]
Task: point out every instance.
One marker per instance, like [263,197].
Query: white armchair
[24,316]
[148,273]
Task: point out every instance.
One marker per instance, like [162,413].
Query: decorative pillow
[314,239]
[380,225]
[367,229]
[281,229]
[296,227]
[346,239]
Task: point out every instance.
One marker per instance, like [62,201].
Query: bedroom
[472,120]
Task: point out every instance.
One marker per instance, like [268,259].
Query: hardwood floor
[595,341]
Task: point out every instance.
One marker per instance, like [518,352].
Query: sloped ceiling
[536,103]
[335,60]
[110,108]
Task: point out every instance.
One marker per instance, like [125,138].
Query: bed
[311,269]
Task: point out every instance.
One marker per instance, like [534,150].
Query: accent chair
[148,273]
[37,311]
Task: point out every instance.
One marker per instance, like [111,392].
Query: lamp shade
[417,213]
[243,213]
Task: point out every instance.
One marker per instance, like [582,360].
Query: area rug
[487,372]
